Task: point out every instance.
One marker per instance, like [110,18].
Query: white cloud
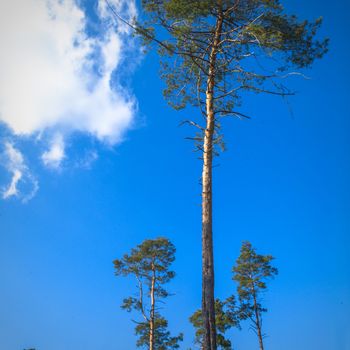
[48,69]
[13,161]
[57,78]
[54,156]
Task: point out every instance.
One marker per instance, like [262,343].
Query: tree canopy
[258,45]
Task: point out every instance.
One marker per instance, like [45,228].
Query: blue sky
[283,184]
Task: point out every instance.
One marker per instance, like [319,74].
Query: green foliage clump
[227,316]
[163,338]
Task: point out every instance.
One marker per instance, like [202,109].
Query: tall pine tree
[212,51]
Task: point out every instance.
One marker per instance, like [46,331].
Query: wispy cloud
[86,162]
[12,188]
[13,161]
[54,156]
[57,77]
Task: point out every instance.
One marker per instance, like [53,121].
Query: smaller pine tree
[251,273]
[150,264]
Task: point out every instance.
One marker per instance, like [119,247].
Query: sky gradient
[282,184]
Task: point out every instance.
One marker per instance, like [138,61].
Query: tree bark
[151,319]
[208,299]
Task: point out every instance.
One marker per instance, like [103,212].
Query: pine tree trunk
[151,319]
[261,344]
[258,324]
[208,300]
[207,243]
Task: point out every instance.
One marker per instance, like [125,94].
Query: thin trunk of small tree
[258,323]
[208,299]
[151,319]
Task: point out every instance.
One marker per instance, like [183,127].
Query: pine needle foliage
[258,47]
[227,315]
